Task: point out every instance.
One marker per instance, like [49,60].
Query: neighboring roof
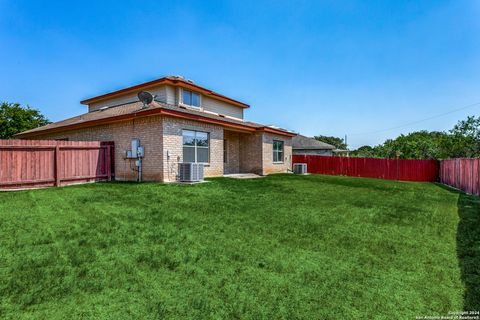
[172,80]
[300,142]
[134,110]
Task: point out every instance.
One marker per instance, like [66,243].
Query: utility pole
[346,146]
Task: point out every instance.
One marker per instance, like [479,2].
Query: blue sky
[317,67]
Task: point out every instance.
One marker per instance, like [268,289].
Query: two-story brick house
[184,123]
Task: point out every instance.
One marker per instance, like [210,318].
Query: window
[277,151]
[191,98]
[195,146]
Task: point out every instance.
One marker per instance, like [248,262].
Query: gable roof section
[172,80]
[134,110]
[300,142]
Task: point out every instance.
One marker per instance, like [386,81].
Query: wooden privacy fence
[463,174]
[43,163]
[390,169]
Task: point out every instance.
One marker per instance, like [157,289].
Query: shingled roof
[135,109]
[300,142]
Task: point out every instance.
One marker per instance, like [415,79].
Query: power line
[418,121]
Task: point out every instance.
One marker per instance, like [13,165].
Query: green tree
[465,138]
[365,152]
[15,118]
[463,141]
[339,143]
[415,145]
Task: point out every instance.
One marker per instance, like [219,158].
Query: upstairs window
[277,151]
[191,98]
[196,146]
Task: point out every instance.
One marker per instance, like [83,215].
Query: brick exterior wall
[232,163]
[247,153]
[268,165]
[147,129]
[173,144]
[251,153]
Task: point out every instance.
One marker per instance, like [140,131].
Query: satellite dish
[145,97]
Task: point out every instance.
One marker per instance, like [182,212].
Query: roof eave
[276,131]
[313,148]
[149,112]
[175,82]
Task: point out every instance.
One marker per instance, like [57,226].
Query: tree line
[462,141]
[15,118]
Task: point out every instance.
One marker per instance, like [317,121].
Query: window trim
[282,152]
[196,147]
[190,105]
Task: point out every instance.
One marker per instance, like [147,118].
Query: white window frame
[277,151]
[195,147]
[199,107]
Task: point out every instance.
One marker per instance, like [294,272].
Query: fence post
[440,171]
[108,162]
[457,173]
[56,166]
[397,163]
[478,166]
[472,177]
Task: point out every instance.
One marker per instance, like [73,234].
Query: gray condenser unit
[300,168]
[190,172]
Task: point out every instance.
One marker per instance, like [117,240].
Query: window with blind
[191,98]
[196,146]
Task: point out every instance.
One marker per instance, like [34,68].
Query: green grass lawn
[311,247]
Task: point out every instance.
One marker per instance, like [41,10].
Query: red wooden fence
[463,174]
[43,163]
[390,169]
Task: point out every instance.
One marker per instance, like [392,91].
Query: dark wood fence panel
[463,174]
[389,169]
[43,163]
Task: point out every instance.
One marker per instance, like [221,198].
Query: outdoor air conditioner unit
[300,168]
[190,172]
